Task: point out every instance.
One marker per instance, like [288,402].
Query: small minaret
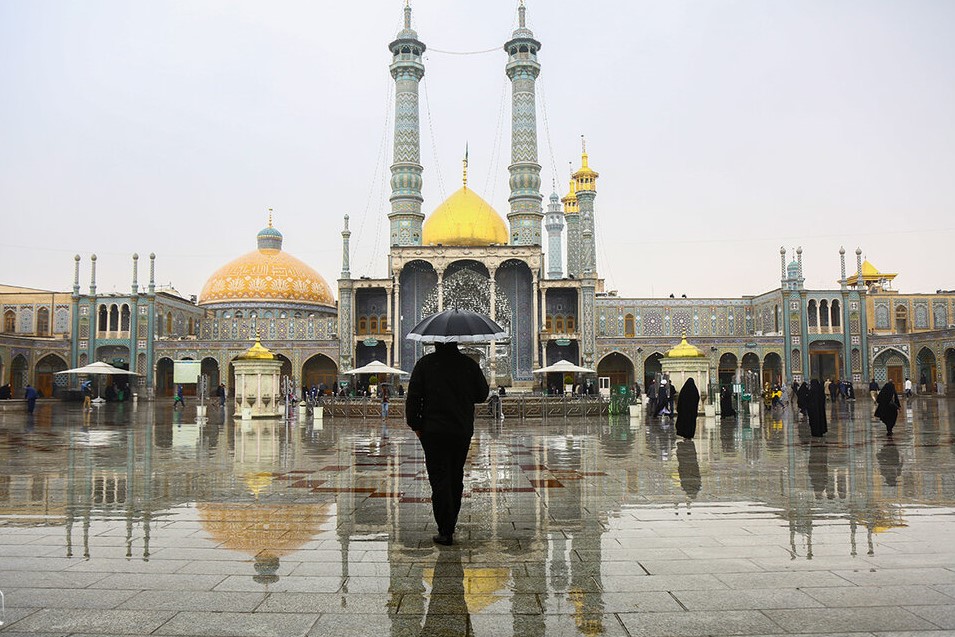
[152,273]
[407,69]
[842,268]
[572,215]
[522,69]
[135,286]
[346,234]
[93,275]
[76,276]
[554,223]
[782,265]
[859,282]
[586,180]
[799,262]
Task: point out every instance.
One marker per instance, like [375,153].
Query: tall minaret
[407,69]
[554,223]
[586,180]
[522,69]
[572,214]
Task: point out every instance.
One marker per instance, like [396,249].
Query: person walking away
[178,400]
[31,396]
[873,389]
[802,398]
[923,384]
[220,392]
[816,409]
[687,409]
[384,392]
[888,407]
[726,403]
[87,388]
[444,387]
[908,388]
[827,388]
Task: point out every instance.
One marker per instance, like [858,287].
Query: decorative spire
[346,268]
[407,14]
[93,275]
[522,15]
[465,176]
[76,275]
[270,217]
[135,273]
[152,272]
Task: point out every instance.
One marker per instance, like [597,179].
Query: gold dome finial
[465,176]
[586,177]
[257,351]
[270,217]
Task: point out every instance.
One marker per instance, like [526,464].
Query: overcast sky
[721,130]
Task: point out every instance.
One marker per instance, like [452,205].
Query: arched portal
[773,369]
[317,370]
[618,368]
[890,364]
[728,368]
[210,369]
[515,282]
[286,365]
[418,280]
[927,370]
[652,368]
[949,367]
[164,384]
[826,360]
[46,378]
[18,375]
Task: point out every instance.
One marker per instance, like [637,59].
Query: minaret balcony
[112,334]
[825,329]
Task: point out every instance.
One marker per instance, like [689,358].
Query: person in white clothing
[908,387]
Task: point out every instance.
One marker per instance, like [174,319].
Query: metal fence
[523,406]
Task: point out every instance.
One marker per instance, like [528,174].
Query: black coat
[816,409]
[442,392]
[687,408]
[888,406]
[726,403]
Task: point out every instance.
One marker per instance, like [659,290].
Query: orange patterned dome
[266,275]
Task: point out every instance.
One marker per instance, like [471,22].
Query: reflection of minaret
[522,69]
[407,69]
[555,228]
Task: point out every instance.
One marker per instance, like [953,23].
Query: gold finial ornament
[586,177]
[685,350]
[465,176]
[257,351]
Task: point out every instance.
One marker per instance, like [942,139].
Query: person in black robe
[816,409]
[802,398]
[888,406]
[687,409]
[688,467]
[663,399]
[726,403]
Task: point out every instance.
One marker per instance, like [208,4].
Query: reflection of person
[819,468]
[384,392]
[442,392]
[890,463]
[816,409]
[31,396]
[687,409]
[688,467]
[447,608]
[888,406]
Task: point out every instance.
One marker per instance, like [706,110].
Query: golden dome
[571,207]
[685,350]
[464,219]
[266,275]
[257,352]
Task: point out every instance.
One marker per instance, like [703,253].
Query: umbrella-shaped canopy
[565,367]
[98,368]
[456,326]
[376,367]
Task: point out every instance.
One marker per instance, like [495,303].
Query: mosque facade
[464,254]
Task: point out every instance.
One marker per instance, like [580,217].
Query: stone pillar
[492,350]
[535,283]
[396,330]
[440,274]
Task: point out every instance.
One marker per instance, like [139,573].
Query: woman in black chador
[726,403]
[687,409]
[802,398]
[888,406]
[816,408]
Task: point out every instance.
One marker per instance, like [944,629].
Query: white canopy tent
[565,367]
[98,368]
[376,367]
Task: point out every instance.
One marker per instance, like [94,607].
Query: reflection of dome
[482,586]
[254,528]
[266,274]
[464,219]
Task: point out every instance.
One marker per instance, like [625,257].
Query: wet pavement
[138,521]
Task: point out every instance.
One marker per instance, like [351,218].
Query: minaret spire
[586,179]
[522,69]
[464,177]
[407,69]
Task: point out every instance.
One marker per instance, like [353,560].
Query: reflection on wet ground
[138,520]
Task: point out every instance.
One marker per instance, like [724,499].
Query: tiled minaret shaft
[522,69]
[407,69]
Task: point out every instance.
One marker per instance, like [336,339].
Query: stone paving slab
[94,621]
[847,619]
[335,603]
[158,582]
[212,601]
[843,596]
[746,599]
[65,598]
[194,624]
[699,624]
[941,615]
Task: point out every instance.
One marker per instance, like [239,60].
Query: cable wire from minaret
[434,145]
[550,145]
[378,174]
[496,147]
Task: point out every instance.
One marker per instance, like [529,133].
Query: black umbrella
[456,326]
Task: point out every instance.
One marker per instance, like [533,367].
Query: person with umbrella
[444,387]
